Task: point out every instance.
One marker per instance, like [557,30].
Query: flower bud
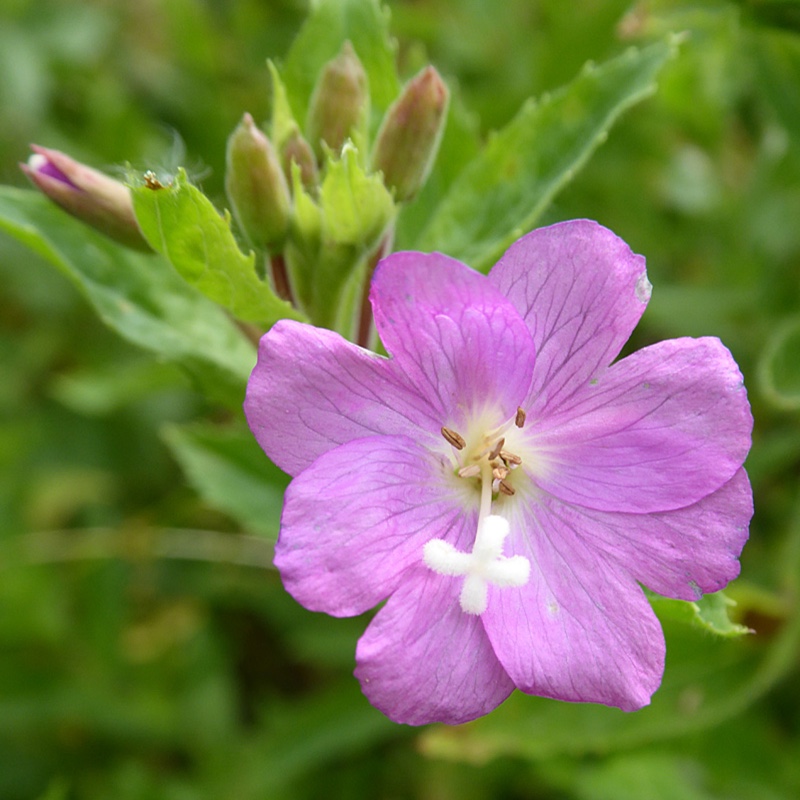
[89,195]
[339,104]
[298,151]
[410,134]
[256,186]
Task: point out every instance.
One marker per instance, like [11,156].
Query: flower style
[502,482]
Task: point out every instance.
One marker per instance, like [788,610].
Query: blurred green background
[146,648]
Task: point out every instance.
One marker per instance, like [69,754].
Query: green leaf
[137,295]
[779,369]
[230,472]
[105,388]
[330,726]
[651,775]
[330,24]
[709,613]
[502,193]
[58,789]
[182,224]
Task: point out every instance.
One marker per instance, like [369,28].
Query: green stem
[365,334]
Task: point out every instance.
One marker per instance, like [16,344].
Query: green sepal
[356,206]
[330,238]
[182,224]
[501,194]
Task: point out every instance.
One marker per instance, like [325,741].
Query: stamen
[519,420]
[472,471]
[506,489]
[510,458]
[453,438]
[496,450]
[500,472]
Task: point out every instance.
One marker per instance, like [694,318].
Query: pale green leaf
[230,472]
[105,388]
[709,613]
[283,122]
[137,295]
[634,776]
[180,222]
[502,193]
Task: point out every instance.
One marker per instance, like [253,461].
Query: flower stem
[365,332]
[280,277]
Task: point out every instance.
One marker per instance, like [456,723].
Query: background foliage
[147,650]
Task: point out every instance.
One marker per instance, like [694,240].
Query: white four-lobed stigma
[485,565]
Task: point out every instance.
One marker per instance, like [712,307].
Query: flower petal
[580,629]
[684,553]
[312,390]
[581,292]
[358,517]
[453,334]
[422,659]
[657,431]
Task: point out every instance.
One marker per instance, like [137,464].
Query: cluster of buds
[314,195]
[282,183]
[259,180]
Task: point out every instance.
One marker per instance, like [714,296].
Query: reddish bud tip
[339,104]
[92,197]
[410,134]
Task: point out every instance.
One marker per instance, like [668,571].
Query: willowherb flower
[502,480]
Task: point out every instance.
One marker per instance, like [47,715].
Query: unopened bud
[410,134]
[339,104]
[256,186]
[86,193]
[296,150]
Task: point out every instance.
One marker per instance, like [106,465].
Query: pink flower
[502,482]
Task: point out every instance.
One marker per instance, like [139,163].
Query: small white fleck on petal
[643,288]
